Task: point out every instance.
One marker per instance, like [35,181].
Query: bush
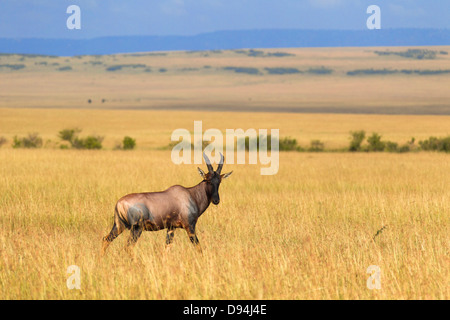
[12,66]
[31,141]
[390,146]
[90,142]
[411,53]
[128,143]
[246,142]
[71,136]
[436,144]
[289,144]
[2,141]
[316,146]
[285,144]
[357,139]
[321,70]
[282,70]
[121,66]
[93,142]
[243,70]
[404,148]
[371,72]
[375,143]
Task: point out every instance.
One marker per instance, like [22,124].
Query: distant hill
[229,40]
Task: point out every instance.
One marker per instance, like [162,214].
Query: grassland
[305,233]
[234,80]
[308,232]
[153,129]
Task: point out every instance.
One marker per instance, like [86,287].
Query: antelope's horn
[208,163]
[219,167]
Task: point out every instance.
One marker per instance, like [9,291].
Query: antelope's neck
[201,195]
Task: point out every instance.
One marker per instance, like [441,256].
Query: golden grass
[305,233]
[152,129]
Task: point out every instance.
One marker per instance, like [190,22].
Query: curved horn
[219,167]
[208,163]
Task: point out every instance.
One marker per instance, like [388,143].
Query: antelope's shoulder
[177,188]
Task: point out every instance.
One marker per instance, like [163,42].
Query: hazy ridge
[270,38]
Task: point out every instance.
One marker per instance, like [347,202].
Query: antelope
[176,207]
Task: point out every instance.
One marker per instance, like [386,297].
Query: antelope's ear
[201,173]
[225,175]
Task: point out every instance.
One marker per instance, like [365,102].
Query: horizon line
[220,31]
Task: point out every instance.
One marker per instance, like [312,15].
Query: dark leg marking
[135,233]
[193,237]
[170,235]
[114,233]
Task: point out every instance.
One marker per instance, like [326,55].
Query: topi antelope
[176,207]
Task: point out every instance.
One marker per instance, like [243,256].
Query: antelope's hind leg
[114,233]
[135,233]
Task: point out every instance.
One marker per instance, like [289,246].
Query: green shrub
[246,142]
[404,148]
[436,144]
[33,140]
[390,146]
[411,53]
[289,144]
[375,143]
[282,70]
[316,146]
[243,70]
[321,70]
[71,136]
[118,67]
[92,142]
[280,54]
[371,72]
[285,144]
[357,139]
[12,66]
[128,143]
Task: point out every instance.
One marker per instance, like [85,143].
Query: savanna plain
[308,232]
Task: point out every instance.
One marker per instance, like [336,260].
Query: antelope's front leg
[193,237]
[169,238]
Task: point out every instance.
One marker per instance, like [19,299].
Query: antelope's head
[214,178]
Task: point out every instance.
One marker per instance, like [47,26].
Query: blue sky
[47,18]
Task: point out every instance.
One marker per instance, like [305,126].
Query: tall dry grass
[153,129]
[305,233]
